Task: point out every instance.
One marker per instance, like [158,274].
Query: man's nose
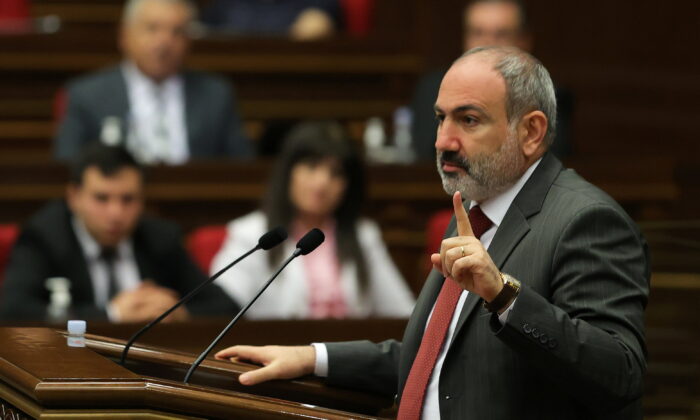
[163,37]
[447,138]
[115,209]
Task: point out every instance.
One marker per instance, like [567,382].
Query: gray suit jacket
[573,345]
[214,128]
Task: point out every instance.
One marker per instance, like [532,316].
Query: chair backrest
[435,230]
[358,16]
[60,103]
[8,236]
[204,242]
[13,10]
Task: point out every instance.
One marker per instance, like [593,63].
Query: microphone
[306,244]
[267,241]
[310,241]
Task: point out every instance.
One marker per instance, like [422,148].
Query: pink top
[322,268]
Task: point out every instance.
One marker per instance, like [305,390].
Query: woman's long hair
[311,142]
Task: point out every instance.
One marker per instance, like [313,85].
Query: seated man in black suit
[161,113]
[486,23]
[117,264]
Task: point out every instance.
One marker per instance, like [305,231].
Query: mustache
[453,158]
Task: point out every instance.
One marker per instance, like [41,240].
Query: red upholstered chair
[204,242]
[8,235]
[14,16]
[358,16]
[434,231]
[60,103]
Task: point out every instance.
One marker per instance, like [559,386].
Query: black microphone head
[272,238]
[310,241]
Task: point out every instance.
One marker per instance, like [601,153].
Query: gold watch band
[511,288]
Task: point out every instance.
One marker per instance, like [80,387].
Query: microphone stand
[204,354]
[186,299]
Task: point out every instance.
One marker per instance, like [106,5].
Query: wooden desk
[672,381]
[41,377]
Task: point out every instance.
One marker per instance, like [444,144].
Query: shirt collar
[140,81]
[495,208]
[91,248]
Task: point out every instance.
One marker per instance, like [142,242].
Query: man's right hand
[279,362]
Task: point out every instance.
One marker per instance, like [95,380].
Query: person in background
[318,182]
[300,20]
[162,113]
[116,263]
[486,23]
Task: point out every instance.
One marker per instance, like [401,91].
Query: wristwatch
[511,288]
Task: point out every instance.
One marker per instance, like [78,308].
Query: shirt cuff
[321,366]
[502,318]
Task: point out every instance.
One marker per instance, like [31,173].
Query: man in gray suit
[161,113]
[535,307]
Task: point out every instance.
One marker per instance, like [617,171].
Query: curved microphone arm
[186,299]
[223,332]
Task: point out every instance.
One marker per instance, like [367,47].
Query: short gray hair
[528,85]
[131,8]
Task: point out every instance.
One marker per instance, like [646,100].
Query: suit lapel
[71,253]
[145,259]
[116,90]
[515,224]
[191,110]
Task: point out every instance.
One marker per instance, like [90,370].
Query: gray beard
[487,175]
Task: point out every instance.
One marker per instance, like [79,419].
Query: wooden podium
[42,377]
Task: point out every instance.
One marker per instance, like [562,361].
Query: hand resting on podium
[279,362]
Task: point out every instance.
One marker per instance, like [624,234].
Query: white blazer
[387,294]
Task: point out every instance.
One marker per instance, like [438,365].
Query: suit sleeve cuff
[321,365]
[502,318]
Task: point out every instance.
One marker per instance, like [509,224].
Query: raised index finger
[464,228]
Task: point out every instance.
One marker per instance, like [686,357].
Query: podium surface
[42,377]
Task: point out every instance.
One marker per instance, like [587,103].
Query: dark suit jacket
[424,126]
[48,247]
[214,128]
[573,345]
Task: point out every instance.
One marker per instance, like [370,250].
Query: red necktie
[413,394]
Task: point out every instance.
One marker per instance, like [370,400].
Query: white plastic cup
[76,333]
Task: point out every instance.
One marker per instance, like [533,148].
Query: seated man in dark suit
[116,264]
[486,23]
[161,113]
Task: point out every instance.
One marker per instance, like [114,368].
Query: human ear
[532,131]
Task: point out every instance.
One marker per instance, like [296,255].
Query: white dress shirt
[156,130]
[495,209]
[126,270]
